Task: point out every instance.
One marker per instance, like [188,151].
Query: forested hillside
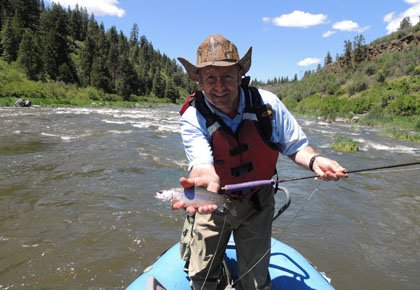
[51,45]
[379,82]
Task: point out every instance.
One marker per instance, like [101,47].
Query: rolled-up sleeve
[196,139]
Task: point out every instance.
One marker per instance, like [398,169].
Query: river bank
[65,102]
[390,126]
[393,127]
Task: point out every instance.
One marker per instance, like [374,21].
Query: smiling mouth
[220,96]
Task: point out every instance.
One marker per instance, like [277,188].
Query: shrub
[381,76]
[291,104]
[358,85]
[345,144]
[371,68]
[405,105]
[356,105]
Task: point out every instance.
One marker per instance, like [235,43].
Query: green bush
[291,104]
[356,105]
[371,68]
[358,85]
[406,105]
[345,144]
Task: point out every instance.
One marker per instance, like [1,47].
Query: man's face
[220,86]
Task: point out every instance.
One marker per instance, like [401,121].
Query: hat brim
[192,70]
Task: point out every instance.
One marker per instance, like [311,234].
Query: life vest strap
[238,150]
[242,170]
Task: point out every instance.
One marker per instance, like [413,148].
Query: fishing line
[215,252]
[282,232]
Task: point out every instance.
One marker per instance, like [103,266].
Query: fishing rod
[261,183]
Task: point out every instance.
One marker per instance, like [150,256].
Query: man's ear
[199,80]
[240,74]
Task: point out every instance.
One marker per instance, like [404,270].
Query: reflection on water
[77,208]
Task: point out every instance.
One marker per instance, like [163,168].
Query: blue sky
[288,37]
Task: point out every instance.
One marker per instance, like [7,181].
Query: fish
[196,197]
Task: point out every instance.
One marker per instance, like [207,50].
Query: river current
[77,209]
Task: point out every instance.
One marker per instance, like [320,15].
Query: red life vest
[244,155]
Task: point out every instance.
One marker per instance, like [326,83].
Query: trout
[196,197]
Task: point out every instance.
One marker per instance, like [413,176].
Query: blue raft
[288,270]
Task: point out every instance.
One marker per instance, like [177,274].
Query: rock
[355,119]
[21,103]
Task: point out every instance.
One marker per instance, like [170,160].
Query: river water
[77,209]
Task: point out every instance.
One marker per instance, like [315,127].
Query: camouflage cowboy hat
[217,51]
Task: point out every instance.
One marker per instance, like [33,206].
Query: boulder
[355,119]
[22,103]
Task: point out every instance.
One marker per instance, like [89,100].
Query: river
[77,209]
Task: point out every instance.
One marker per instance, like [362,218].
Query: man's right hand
[203,175]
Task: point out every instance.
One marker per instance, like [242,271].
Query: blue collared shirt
[286,131]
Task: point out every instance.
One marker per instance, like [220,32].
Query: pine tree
[170,91]
[328,59]
[75,23]
[157,88]
[347,53]
[112,58]
[29,55]
[99,74]
[54,38]
[28,11]
[134,43]
[10,39]
[126,84]
[88,52]
[405,23]
[360,49]
[5,12]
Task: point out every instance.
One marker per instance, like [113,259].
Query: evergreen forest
[52,53]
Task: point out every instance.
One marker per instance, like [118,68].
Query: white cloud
[389,16]
[266,19]
[297,19]
[348,25]
[329,33]
[394,20]
[309,61]
[412,1]
[97,7]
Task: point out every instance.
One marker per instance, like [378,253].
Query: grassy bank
[14,85]
[64,102]
[391,126]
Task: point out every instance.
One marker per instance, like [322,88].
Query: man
[224,130]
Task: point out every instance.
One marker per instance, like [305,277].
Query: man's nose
[219,82]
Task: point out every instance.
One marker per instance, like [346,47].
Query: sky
[287,37]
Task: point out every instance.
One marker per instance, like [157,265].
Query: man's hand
[325,168]
[201,175]
[328,169]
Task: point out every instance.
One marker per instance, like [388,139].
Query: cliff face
[376,50]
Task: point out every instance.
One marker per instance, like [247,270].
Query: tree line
[69,45]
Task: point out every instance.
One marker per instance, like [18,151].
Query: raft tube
[288,270]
